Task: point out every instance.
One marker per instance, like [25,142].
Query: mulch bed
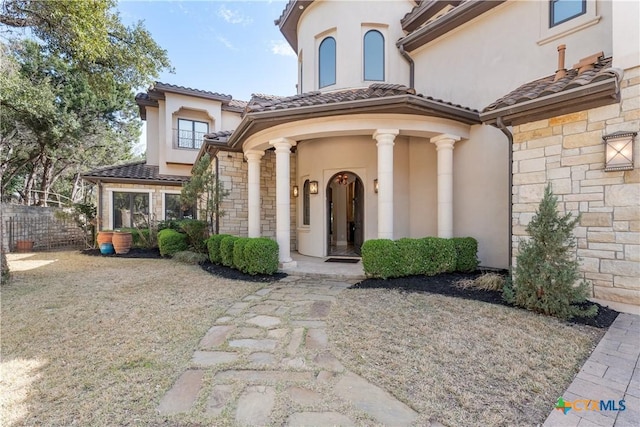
[443,284]
[232,273]
[133,253]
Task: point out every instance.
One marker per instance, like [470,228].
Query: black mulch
[443,284]
[133,253]
[232,273]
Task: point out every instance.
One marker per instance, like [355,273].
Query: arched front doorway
[345,214]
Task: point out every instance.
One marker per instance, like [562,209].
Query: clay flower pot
[104,237]
[121,242]
[106,248]
[24,245]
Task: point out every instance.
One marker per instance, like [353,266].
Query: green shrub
[226,250]
[239,259]
[213,245]
[412,257]
[439,255]
[171,241]
[261,256]
[197,233]
[381,258]
[546,278]
[189,257]
[466,253]
[173,224]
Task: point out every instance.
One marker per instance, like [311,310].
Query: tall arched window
[374,56]
[327,62]
[306,208]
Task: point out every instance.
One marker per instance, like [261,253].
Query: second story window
[190,133]
[563,10]
[374,56]
[327,62]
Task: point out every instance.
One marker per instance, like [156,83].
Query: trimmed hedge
[171,241]
[239,258]
[226,250]
[261,256]
[381,258]
[213,246]
[466,253]
[428,256]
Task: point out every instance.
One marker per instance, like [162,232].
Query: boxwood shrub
[226,250]
[239,259]
[466,253]
[381,258]
[171,241]
[261,256]
[439,254]
[213,246]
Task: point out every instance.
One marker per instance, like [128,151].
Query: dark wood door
[358,216]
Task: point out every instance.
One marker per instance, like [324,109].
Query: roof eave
[570,101]
[159,89]
[381,105]
[462,14]
[107,179]
[425,13]
[288,23]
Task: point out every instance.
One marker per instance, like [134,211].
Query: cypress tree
[546,278]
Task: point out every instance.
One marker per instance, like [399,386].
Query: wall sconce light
[295,191]
[619,151]
[375,185]
[313,187]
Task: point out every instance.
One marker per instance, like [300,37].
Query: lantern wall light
[619,151]
[375,185]
[295,191]
[313,187]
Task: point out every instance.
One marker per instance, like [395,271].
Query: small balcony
[187,139]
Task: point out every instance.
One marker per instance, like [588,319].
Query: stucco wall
[568,151]
[338,19]
[498,51]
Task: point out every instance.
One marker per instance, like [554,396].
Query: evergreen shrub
[466,253]
[381,258]
[171,241]
[261,256]
[239,260]
[546,278]
[439,255]
[213,246]
[226,250]
[197,233]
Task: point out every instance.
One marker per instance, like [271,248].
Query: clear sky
[229,47]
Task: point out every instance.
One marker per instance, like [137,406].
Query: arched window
[306,209]
[327,62]
[374,56]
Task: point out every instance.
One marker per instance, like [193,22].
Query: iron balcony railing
[187,138]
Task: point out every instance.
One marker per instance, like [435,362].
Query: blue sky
[230,47]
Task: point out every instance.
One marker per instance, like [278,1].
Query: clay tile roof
[183,89]
[221,136]
[138,171]
[260,103]
[547,86]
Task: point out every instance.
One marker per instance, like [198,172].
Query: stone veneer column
[444,146]
[283,201]
[385,138]
[253,180]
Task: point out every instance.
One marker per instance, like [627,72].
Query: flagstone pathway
[268,355]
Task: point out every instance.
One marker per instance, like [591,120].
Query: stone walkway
[267,358]
[612,374]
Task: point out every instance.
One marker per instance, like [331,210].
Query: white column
[253,179]
[444,146]
[283,202]
[385,138]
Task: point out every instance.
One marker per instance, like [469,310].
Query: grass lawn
[94,341]
[459,362]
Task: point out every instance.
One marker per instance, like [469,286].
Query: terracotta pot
[104,237]
[24,245]
[121,242]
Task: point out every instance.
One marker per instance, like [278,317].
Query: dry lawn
[459,362]
[95,341]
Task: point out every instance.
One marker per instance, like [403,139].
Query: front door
[358,215]
[345,214]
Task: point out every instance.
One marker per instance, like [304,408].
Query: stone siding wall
[47,227]
[232,171]
[568,151]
